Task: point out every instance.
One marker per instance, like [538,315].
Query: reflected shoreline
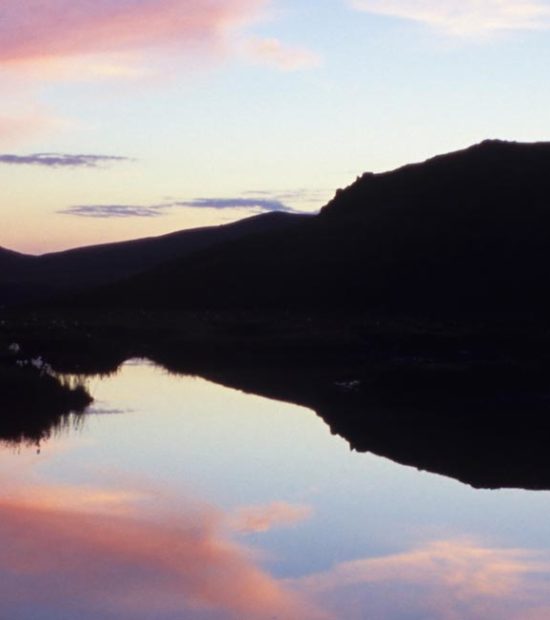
[196,533]
[443,423]
[474,409]
[487,427]
[36,403]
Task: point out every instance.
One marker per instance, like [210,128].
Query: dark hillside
[467,232]
[13,260]
[12,265]
[31,277]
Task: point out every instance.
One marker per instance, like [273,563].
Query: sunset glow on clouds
[112,38]
[35,29]
[117,40]
[211,98]
[274,52]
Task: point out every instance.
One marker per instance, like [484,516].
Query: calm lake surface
[176,498]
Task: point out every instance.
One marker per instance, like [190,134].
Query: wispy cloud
[61,160]
[465,18]
[274,52]
[115,211]
[253,205]
[259,204]
[300,195]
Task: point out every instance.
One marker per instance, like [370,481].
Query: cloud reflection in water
[443,580]
[257,519]
[96,553]
[120,564]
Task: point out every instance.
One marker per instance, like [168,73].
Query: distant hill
[24,277]
[12,260]
[464,232]
[12,265]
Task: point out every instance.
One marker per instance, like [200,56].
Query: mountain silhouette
[24,277]
[466,232]
[328,306]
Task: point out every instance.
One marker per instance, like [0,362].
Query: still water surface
[181,499]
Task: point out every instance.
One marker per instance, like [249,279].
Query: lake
[177,498]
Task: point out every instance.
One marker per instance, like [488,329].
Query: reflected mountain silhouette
[484,424]
[487,426]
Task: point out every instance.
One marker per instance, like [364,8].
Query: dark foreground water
[180,499]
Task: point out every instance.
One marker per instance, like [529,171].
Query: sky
[129,118]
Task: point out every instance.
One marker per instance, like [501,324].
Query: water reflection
[205,503]
[99,553]
[102,558]
[259,519]
[488,427]
[447,580]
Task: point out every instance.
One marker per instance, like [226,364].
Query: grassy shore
[101,339]
[34,401]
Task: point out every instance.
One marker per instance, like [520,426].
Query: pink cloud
[264,518]
[282,56]
[35,29]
